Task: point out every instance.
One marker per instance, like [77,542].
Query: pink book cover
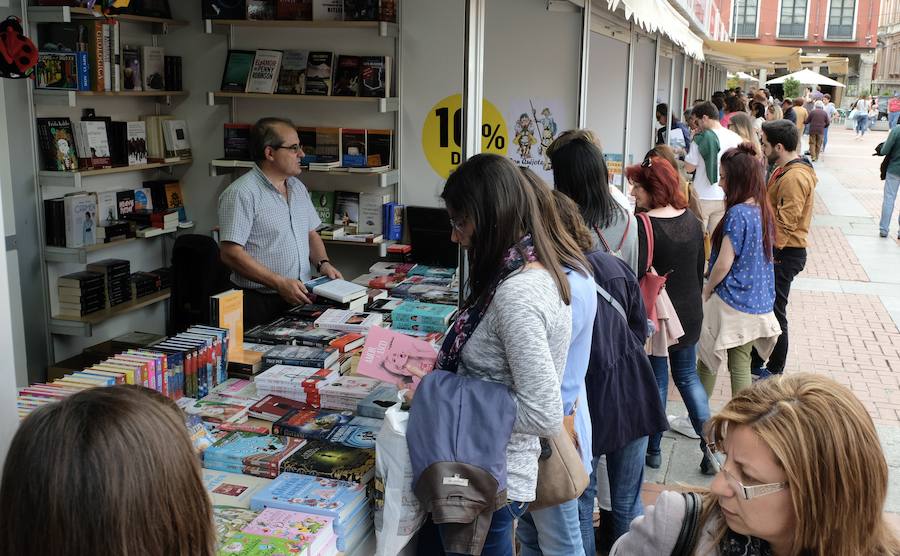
[396,358]
[315,530]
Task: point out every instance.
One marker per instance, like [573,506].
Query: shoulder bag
[651,283]
[690,526]
[561,474]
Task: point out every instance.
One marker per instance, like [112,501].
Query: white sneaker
[682,425]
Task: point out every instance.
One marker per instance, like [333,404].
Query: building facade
[887,56]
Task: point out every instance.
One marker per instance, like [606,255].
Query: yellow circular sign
[442,133]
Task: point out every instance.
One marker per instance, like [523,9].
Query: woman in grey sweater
[515,325]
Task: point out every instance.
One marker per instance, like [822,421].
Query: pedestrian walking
[891,150]
[818,123]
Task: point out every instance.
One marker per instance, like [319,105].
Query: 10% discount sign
[442,134]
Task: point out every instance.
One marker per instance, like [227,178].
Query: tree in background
[791,88]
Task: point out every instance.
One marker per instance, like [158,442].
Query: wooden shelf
[80,254]
[73,180]
[318,180]
[381,246]
[383,28]
[70,98]
[390,104]
[83,326]
[65,14]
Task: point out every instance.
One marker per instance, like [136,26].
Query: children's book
[339,500]
[361,432]
[232,489]
[230,520]
[321,458]
[311,423]
[316,530]
[246,544]
[396,358]
[249,452]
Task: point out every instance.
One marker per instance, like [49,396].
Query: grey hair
[263,134]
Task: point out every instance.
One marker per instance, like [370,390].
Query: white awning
[806,77]
[658,16]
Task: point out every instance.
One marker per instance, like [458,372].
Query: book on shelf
[92,141]
[224,9]
[264,72]
[107,209]
[77,36]
[346,209]
[328,10]
[132,76]
[371,212]
[348,321]
[337,289]
[153,66]
[388,11]
[156,146]
[81,219]
[124,202]
[328,146]
[58,70]
[319,73]
[361,10]
[292,75]
[307,136]
[330,231]
[176,138]
[261,9]
[294,10]
[147,8]
[117,273]
[353,148]
[117,135]
[323,202]
[393,221]
[57,142]
[346,76]
[143,201]
[237,141]
[137,143]
[375,76]
[172,73]
[379,148]
[175,199]
[237,70]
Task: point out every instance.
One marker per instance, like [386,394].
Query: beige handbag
[561,474]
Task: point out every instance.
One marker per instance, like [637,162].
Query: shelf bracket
[391,104]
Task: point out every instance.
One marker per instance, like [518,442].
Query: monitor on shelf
[429,235]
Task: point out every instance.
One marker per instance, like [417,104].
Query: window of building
[744,23]
[840,19]
[792,22]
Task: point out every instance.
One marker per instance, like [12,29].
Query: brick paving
[831,257]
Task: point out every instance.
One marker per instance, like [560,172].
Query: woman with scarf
[515,325]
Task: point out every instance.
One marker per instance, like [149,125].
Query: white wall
[641,111]
[607,89]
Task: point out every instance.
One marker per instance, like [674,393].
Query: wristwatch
[320,263]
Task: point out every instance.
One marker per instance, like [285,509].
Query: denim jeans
[683,363]
[789,262]
[552,531]
[499,540]
[825,141]
[892,119]
[887,205]
[862,124]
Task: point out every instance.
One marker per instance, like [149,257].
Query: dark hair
[758,109]
[826,95]
[718,102]
[579,171]
[782,132]
[734,104]
[490,190]
[660,180]
[662,109]
[105,471]
[718,94]
[745,178]
[570,217]
[567,249]
[264,134]
[707,109]
[799,101]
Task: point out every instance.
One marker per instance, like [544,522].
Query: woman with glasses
[799,471]
[678,252]
[739,296]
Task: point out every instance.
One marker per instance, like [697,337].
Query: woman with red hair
[677,251]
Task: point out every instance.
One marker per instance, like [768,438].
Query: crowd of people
[566,307]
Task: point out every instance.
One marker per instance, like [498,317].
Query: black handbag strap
[687,536]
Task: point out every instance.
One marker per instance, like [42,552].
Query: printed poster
[534,124]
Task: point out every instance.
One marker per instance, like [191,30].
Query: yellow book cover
[118,377]
[228,312]
[127,377]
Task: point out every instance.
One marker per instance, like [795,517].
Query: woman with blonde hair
[774,112]
[743,126]
[800,471]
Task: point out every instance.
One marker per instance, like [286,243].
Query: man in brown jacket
[791,194]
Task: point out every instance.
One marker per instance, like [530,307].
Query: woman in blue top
[740,293]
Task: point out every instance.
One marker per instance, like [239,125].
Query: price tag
[442,134]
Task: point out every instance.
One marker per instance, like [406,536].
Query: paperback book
[348,321]
[346,76]
[339,500]
[320,458]
[237,70]
[264,72]
[254,454]
[319,73]
[292,76]
[232,489]
[311,423]
[396,358]
[312,530]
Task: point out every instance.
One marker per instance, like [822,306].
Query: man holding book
[268,226]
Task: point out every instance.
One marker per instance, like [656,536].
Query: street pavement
[843,312]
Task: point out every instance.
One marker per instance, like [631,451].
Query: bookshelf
[65,14]
[383,28]
[381,246]
[390,104]
[80,254]
[71,98]
[83,326]
[317,180]
[75,180]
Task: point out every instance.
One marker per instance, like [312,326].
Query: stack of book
[376,403]
[301,356]
[348,321]
[285,532]
[232,489]
[117,277]
[260,455]
[340,427]
[346,392]
[328,460]
[302,384]
[165,277]
[426,317]
[144,283]
[346,503]
[81,293]
[294,331]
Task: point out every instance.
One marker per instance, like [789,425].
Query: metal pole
[671,95]
[585,64]
[628,91]
[653,96]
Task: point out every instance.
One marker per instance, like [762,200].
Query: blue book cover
[339,500]
[432,314]
[84,70]
[252,449]
[432,271]
[358,529]
[393,221]
[361,432]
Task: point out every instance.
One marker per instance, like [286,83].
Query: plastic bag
[398,514]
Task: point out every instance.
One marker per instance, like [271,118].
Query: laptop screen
[429,236]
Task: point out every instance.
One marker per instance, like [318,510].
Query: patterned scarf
[733,544]
[467,322]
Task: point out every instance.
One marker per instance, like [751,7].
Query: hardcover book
[337,289]
[295,526]
[339,500]
[229,520]
[264,72]
[257,454]
[232,489]
[320,458]
[153,66]
[323,201]
[292,76]
[246,544]
[57,144]
[318,73]
[396,358]
[346,76]
[311,423]
[237,70]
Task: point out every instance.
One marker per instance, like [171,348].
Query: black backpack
[197,274]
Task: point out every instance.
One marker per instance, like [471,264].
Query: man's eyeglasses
[717,460]
[295,148]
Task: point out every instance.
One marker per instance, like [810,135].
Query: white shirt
[707,191]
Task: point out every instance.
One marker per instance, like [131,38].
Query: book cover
[177,140]
[293,9]
[375,75]
[246,544]
[264,72]
[353,386]
[311,423]
[307,136]
[433,314]
[320,458]
[292,76]
[229,520]
[323,201]
[328,145]
[232,489]
[325,10]
[379,147]
[346,209]
[125,202]
[272,408]
[81,219]
[388,11]
[96,143]
[349,321]
[132,79]
[393,221]
[353,148]
[250,449]
[371,212]
[318,73]
[57,144]
[296,526]
[361,432]
[346,76]
[224,9]
[336,289]
[331,498]
[107,210]
[376,403]
[152,64]
[117,133]
[260,9]
[227,311]
[237,141]
[142,199]
[396,358]
[361,10]
[301,356]
[137,143]
[57,70]
[237,70]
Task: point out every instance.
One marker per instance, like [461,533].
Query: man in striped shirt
[268,226]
